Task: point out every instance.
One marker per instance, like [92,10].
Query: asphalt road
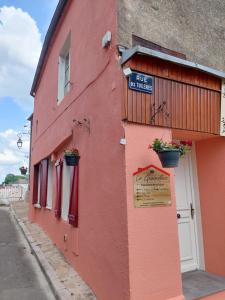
[20,274]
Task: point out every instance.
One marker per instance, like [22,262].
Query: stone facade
[194,28]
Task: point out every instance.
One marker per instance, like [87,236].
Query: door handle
[178,216]
[192,211]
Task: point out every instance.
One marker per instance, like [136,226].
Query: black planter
[23,171]
[169,158]
[72,160]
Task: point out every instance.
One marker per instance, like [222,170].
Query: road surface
[20,274]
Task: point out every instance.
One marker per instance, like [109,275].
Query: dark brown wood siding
[189,100]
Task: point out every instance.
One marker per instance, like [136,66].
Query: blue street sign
[140,82]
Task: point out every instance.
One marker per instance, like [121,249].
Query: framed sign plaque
[140,82]
[151,187]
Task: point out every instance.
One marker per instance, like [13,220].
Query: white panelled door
[186,217]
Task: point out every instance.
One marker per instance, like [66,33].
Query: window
[74,195]
[66,191]
[58,196]
[37,186]
[67,74]
[64,70]
[40,184]
[49,189]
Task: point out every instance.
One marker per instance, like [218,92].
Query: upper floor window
[64,70]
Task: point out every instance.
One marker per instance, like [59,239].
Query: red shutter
[58,200]
[73,208]
[44,182]
[35,185]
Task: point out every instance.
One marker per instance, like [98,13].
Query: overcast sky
[23,25]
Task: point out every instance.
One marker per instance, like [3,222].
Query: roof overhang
[54,22]
[139,50]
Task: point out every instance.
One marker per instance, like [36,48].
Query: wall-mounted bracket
[85,123]
[161,109]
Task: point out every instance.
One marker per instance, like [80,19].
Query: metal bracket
[161,109]
[83,123]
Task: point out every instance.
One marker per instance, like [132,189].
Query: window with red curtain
[44,182]
[73,208]
[35,184]
[58,199]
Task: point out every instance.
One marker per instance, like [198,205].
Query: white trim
[50,185]
[48,207]
[65,192]
[65,51]
[198,218]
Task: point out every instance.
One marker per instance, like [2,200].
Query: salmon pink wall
[98,248]
[211,162]
[152,232]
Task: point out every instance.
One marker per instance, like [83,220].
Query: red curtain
[58,200]
[43,182]
[73,208]
[35,185]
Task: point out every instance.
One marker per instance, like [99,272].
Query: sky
[23,25]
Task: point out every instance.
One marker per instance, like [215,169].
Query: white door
[186,214]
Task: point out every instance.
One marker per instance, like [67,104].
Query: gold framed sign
[151,187]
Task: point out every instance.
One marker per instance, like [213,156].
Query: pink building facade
[82,101]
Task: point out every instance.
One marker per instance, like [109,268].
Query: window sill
[37,206]
[59,101]
[48,208]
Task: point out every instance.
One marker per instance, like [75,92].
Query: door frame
[197,222]
[197,206]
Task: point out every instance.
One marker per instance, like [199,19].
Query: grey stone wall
[193,27]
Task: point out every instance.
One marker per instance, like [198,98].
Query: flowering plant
[23,168]
[71,152]
[159,146]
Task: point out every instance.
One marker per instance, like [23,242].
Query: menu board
[151,187]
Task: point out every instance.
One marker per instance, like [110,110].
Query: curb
[56,286]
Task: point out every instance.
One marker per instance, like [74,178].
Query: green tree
[11,178]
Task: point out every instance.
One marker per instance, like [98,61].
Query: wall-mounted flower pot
[169,158]
[23,171]
[72,160]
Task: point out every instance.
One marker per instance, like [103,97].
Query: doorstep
[203,285]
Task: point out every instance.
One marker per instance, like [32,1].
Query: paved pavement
[66,282]
[20,275]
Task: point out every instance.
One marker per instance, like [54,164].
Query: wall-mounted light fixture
[19,143]
[127,72]
[20,135]
[106,40]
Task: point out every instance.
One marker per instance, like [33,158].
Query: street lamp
[19,143]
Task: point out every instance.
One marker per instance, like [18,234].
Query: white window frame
[65,192]
[64,69]
[50,186]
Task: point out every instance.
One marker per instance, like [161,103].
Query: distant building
[112,77]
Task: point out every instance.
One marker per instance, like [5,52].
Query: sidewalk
[64,280]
